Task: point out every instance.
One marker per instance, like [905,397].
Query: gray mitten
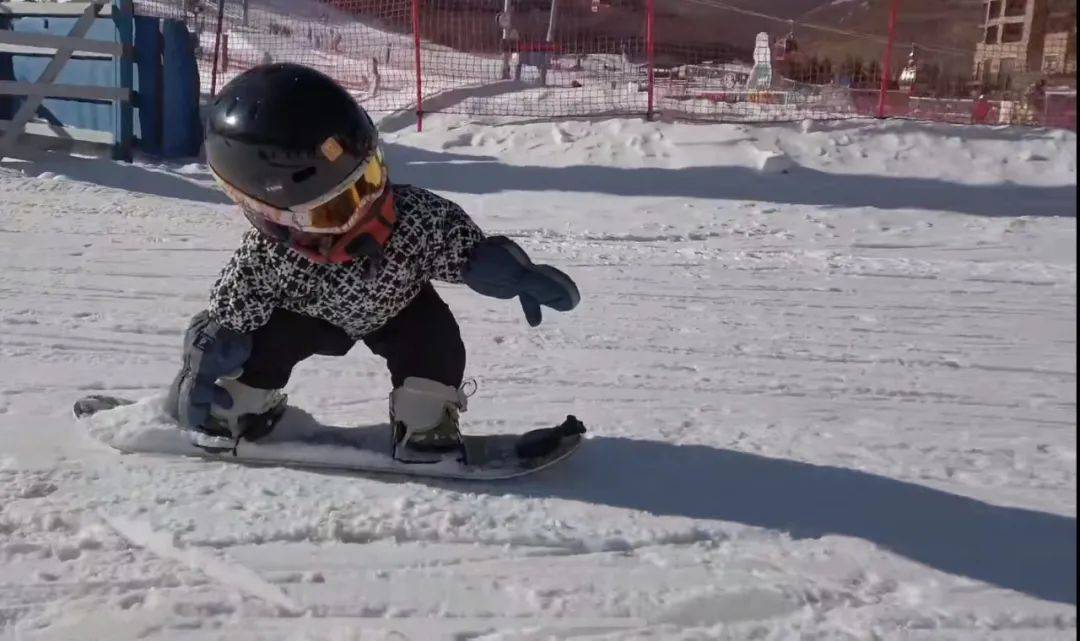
[211,351]
[499,268]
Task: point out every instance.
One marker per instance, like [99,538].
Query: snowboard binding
[534,445]
[218,437]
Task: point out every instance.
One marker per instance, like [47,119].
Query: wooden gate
[30,126]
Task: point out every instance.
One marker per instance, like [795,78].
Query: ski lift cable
[719,4]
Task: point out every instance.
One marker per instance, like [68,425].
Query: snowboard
[299,440]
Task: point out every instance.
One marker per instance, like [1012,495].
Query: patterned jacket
[431,240]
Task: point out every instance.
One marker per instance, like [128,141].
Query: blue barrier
[182,135]
[148,121]
[7,103]
[123,114]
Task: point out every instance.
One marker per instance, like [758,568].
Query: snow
[833,403]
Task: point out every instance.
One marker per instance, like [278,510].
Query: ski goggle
[337,212]
[366,238]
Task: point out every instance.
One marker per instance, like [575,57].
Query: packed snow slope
[829,371]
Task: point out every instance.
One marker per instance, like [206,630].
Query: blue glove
[499,268]
[211,351]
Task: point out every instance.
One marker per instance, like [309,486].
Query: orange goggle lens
[339,213]
[330,215]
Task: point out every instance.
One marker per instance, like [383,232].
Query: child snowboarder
[338,254]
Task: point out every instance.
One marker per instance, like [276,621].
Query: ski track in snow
[809,421]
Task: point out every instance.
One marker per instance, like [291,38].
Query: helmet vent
[303,174]
[232,107]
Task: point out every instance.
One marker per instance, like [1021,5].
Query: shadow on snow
[1018,549]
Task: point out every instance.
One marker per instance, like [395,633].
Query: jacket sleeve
[247,291]
[453,242]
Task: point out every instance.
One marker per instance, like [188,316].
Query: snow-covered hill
[830,373]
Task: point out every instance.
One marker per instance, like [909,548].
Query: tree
[873,73]
[826,72]
[852,70]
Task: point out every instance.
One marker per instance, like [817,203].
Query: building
[1024,41]
[1059,50]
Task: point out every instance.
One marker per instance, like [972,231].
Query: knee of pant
[456,357]
[447,365]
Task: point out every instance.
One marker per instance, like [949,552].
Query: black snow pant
[423,340]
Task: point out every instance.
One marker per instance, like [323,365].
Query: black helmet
[301,158]
[285,135]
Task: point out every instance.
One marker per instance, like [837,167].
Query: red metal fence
[1006,62]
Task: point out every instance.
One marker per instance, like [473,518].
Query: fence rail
[1006,62]
[41,65]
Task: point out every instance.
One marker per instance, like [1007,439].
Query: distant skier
[338,254]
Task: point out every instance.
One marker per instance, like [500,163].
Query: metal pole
[246,12]
[886,64]
[224,52]
[546,58]
[552,20]
[217,47]
[507,25]
[650,18]
[416,56]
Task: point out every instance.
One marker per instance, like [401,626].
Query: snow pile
[774,162]
[832,403]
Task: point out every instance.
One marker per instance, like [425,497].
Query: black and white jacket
[431,240]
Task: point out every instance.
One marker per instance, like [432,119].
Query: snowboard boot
[253,415]
[424,414]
